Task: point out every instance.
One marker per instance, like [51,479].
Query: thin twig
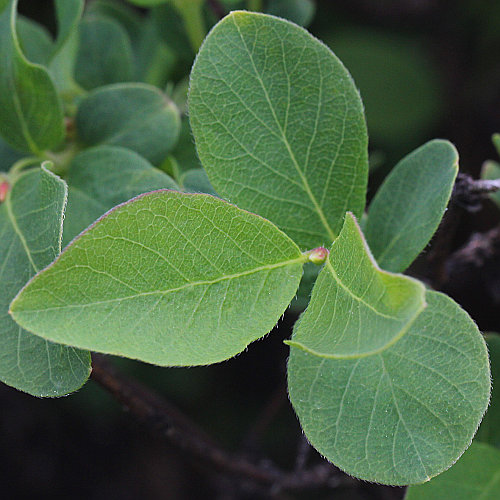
[469,193]
[163,418]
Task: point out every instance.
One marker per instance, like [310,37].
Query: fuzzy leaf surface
[102,177]
[31,117]
[279,125]
[168,278]
[30,238]
[390,407]
[409,205]
[476,476]
[133,115]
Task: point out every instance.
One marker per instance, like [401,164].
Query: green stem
[16,169]
[62,159]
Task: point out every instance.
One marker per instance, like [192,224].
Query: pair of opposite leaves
[389,381]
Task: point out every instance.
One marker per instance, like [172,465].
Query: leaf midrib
[303,178]
[299,260]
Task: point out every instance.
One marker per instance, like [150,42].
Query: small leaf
[31,117]
[30,229]
[409,205]
[168,278]
[394,407]
[133,115]
[102,177]
[476,476]
[279,126]
[489,432]
[104,53]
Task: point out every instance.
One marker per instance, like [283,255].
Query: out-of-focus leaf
[34,41]
[196,181]
[104,53]
[132,115]
[298,11]
[31,117]
[491,171]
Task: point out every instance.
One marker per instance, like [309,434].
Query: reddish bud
[4,189]
[318,255]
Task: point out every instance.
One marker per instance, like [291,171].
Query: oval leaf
[104,53]
[30,229]
[398,414]
[476,476]
[279,125]
[136,116]
[31,118]
[168,278]
[102,177]
[409,205]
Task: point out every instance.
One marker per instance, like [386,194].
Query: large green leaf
[168,278]
[102,177]
[385,405]
[35,41]
[279,125]
[31,117]
[30,238]
[133,115]
[104,53]
[476,476]
[489,432]
[409,205]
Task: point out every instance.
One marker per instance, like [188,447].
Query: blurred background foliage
[425,69]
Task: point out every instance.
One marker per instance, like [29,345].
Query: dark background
[425,69]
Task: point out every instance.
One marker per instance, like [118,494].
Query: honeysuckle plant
[389,379]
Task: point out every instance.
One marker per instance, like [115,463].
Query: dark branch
[469,193]
[164,419]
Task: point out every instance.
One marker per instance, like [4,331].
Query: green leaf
[133,115]
[491,171]
[196,181]
[279,125]
[409,205]
[102,177]
[385,405]
[8,156]
[104,53]
[489,432]
[476,476]
[185,151]
[168,278]
[35,41]
[63,60]
[147,3]
[496,142]
[31,117]
[30,238]
[298,11]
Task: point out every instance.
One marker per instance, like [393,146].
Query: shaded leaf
[279,125]
[102,177]
[196,181]
[132,115]
[30,238]
[491,171]
[385,405]
[35,41]
[104,53]
[168,278]
[476,476]
[8,156]
[31,117]
[410,204]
